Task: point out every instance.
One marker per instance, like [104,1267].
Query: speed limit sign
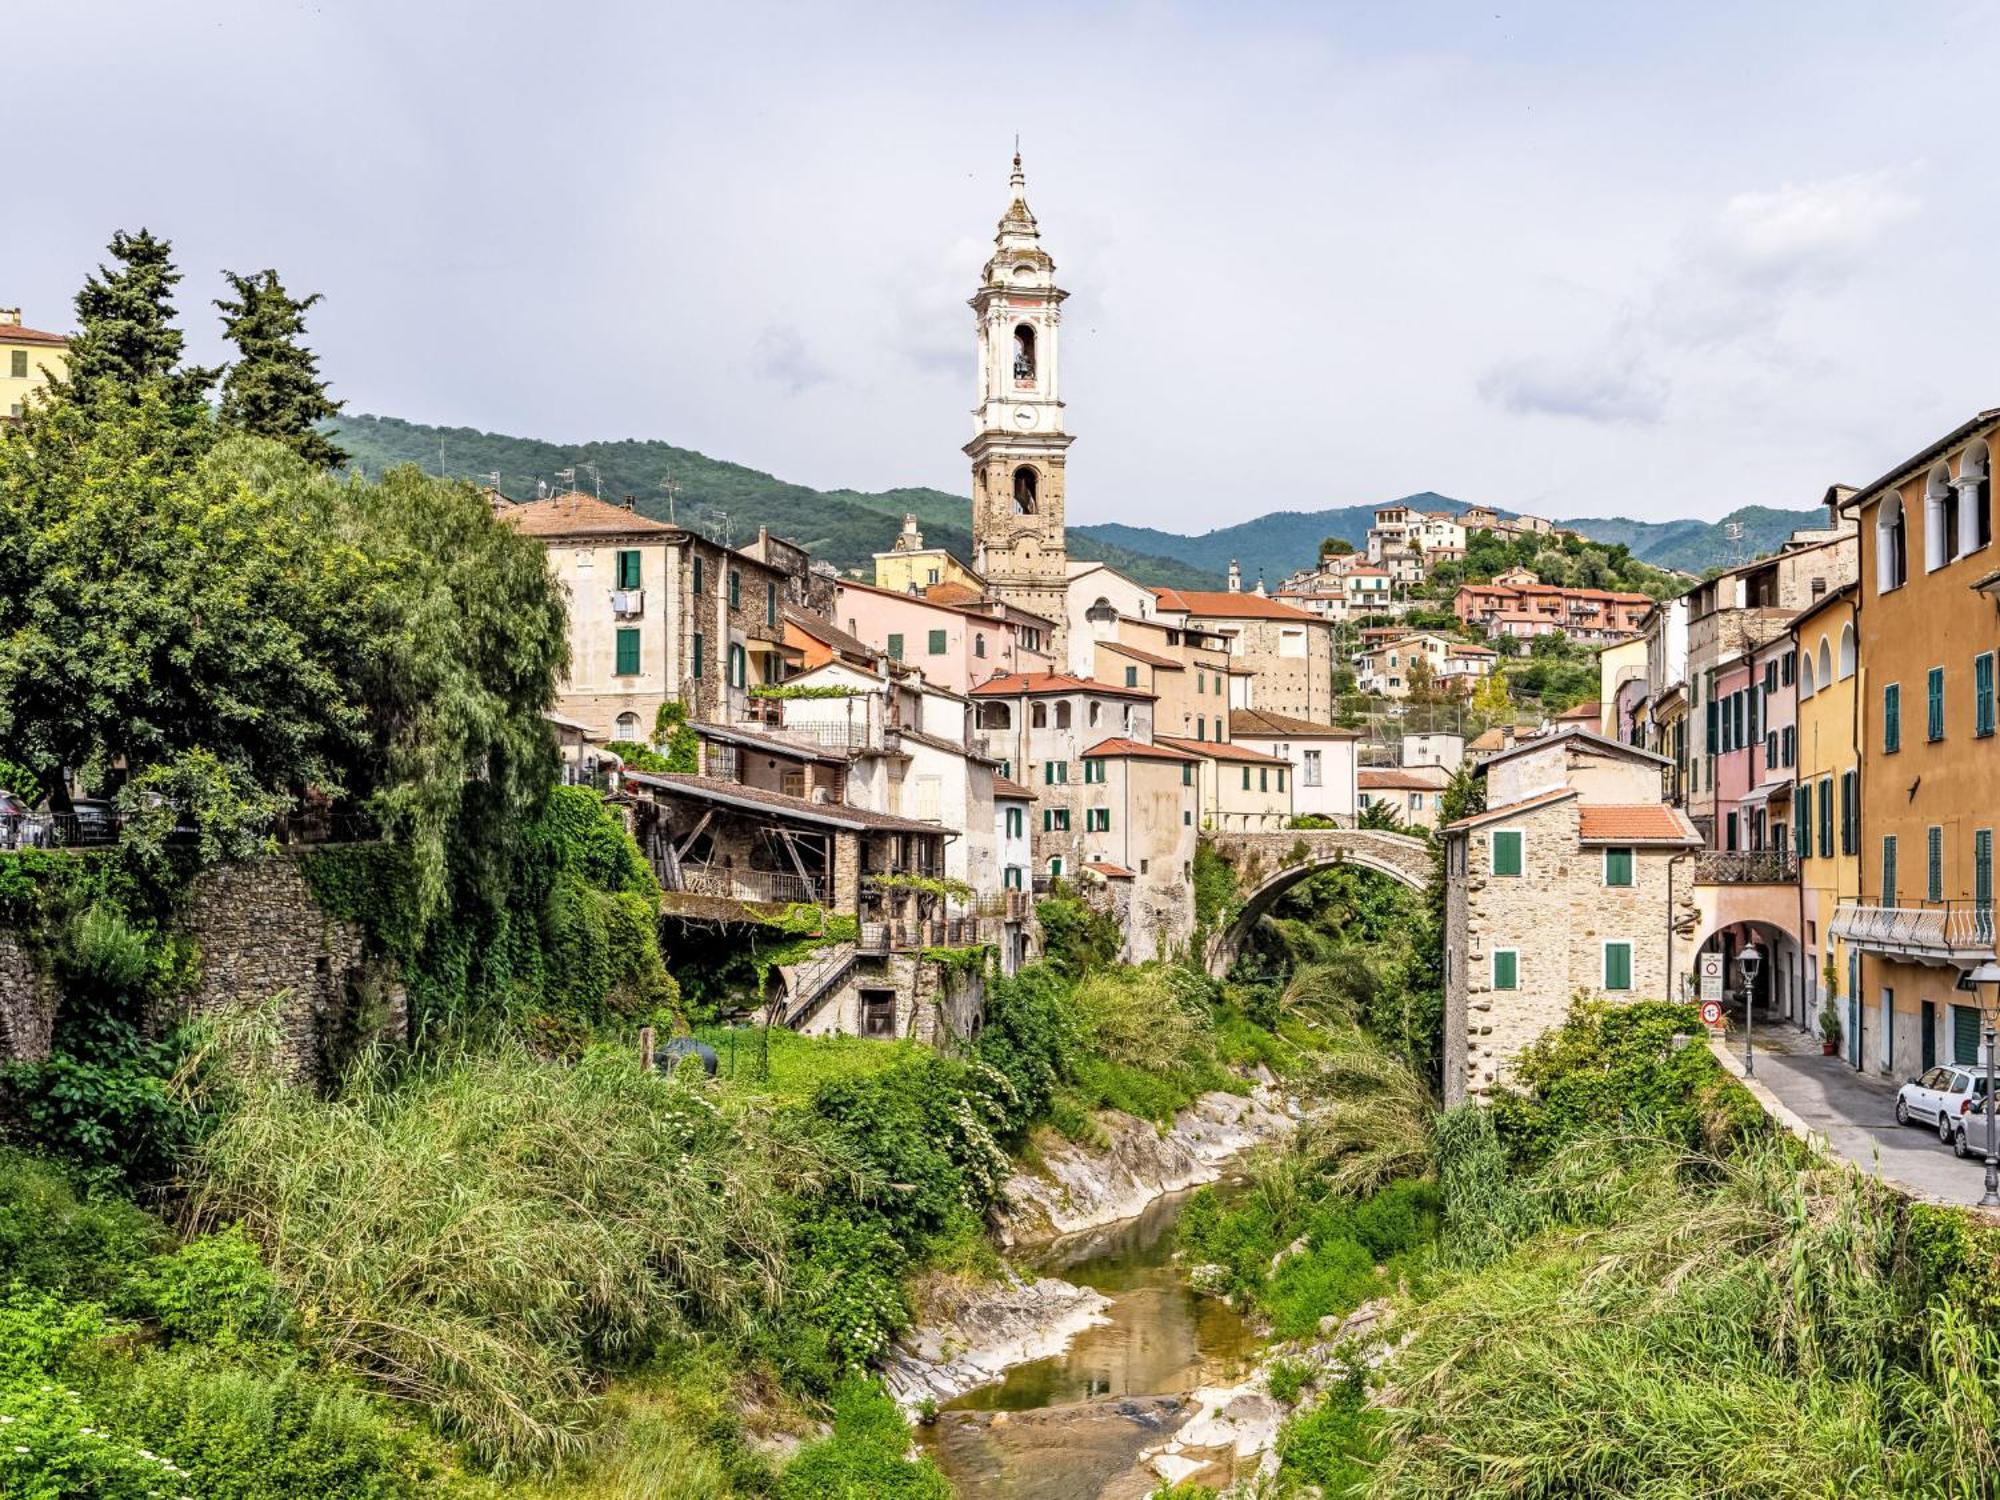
[1711,1013]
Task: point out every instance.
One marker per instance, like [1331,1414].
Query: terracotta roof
[1227,606]
[1010,791]
[1259,724]
[1220,750]
[14,333]
[1105,868]
[580,515]
[1587,739]
[1016,684]
[1165,663]
[1398,778]
[1635,823]
[952,593]
[955,608]
[1462,648]
[1508,810]
[1488,739]
[1124,749]
[1592,711]
[829,634]
[756,799]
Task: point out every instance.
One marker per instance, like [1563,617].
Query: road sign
[1711,978]
[1711,1013]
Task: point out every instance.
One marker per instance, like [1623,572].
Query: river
[1013,1440]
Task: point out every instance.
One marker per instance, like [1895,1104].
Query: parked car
[96,821]
[19,826]
[1940,1097]
[1968,1132]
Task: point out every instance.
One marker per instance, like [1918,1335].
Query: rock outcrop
[973,1336]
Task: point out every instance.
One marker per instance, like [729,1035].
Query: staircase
[816,979]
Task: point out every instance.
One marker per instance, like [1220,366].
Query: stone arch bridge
[1269,864]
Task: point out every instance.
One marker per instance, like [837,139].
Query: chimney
[631,502]
[1235,577]
[10,317]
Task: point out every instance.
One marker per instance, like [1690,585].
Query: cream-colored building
[1242,790]
[909,567]
[1188,673]
[1322,758]
[28,358]
[1411,792]
[1282,658]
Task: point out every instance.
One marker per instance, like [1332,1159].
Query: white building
[1322,758]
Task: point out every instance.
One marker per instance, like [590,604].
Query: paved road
[1856,1113]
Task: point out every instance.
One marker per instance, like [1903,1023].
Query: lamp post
[1747,961]
[1989,973]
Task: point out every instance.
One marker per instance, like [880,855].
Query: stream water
[1162,1339]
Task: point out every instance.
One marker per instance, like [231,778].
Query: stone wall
[27,1002]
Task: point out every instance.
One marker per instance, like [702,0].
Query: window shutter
[1934,704]
[735,589]
[628,653]
[1506,969]
[1802,817]
[1617,866]
[628,570]
[1187,775]
[1131,677]
[1826,819]
[1888,869]
[1982,693]
[1982,868]
[937,643]
[895,647]
[770,604]
[1965,1035]
[1934,863]
[695,665]
[697,574]
[1507,851]
[1712,722]
[1618,966]
[1246,778]
[1892,718]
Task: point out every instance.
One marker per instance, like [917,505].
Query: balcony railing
[732,884]
[1745,867]
[906,937]
[1949,931]
[49,830]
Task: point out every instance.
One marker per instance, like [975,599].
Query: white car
[1939,1098]
[1968,1136]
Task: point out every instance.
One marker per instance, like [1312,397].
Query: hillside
[1693,546]
[845,527]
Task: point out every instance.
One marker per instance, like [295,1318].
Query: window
[697,656]
[735,589]
[1131,677]
[1788,746]
[1788,665]
[878,1012]
[1024,491]
[1200,728]
[697,573]
[1057,772]
[1416,802]
[1847,651]
[1888,869]
[1038,716]
[1982,694]
[1826,819]
[1187,818]
[628,654]
[1507,851]
[1093,771]
[1618,867]
[1097,820]
[1024,352]
[1982,868]
[1055,867]
[1934,863]
[1618,966]
[1934,704]
[628,726]
[1015,823]
[1263,778]
[1006,770]
[628,569]
[1055,820]
[1246,778]
[1063,714]
[979,646]
[1802,807]
[1771,750]
[1940,519]
[1095,712]
[1281,778]
[936,643]
[1011,879]
[1311,769]
[1892,718]
[17,363]
[895,646]
[1201,682]
[770,604]
[1771,675]
[1892,553]
[1730,842]
[739,665]
[1506,969]
[1187,774]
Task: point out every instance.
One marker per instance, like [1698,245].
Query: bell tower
[1018,440]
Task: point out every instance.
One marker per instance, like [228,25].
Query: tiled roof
[829,634]
[953,593]
[1509,809]
[1165,663]
[580,515]
[1124,749]
[1104,867]
[1635,823]
[1223,605]
[1217,750]
[965,608]
[14,333]
[756,799]
[1010,791]
[1591,712]
[1259,724]
[1015,684]
[1398,779]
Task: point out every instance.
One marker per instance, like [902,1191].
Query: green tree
[126,341]
[1336,546]
[274,389]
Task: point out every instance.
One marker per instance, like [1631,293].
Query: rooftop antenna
[1734,531]
[568,477]
[671,490]
[441,473]
[541,489]
[596,479]
[725,528]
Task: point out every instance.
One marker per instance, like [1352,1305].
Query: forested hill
[844,527]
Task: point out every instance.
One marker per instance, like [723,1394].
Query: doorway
[1930,1035]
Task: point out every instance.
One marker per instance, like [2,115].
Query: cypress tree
[127,338]
[275,390]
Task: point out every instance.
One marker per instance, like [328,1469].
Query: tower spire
[1019,180]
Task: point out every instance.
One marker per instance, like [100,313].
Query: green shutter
[1246,778]
[735,589]
[700,655]
[1982,693]
[1850,828]
[1187,774]
[1802,819]
[1934,863]
[1263,778]
[1826,819]
[936,643]
[1618,966]
[628,570]
[628,653]
[1617,866]
[1892,718]
[770,604]
[1506,969]
[1888,869]
[1934,704]
[1507,851]
[1965,1035]
[1982,868]
[895,648]
[697,574]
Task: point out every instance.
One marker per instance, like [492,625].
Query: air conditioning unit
[628,602]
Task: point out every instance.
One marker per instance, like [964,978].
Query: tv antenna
[568,477]
[596,479]
[1734,531]
[670,489]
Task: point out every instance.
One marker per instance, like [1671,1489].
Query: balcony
[773,887]
[1946,932]
[1746,867]
[908,937]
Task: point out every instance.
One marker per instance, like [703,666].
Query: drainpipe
[1855,1049]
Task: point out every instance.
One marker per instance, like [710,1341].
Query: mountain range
[846,527]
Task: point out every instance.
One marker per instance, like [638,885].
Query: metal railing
[49,830]
[732,884]
[905,937]
[1745,867]
[1946,929]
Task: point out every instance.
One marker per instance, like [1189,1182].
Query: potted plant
[1829,1028]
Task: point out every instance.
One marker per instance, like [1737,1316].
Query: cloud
[1603,388]
[780,356]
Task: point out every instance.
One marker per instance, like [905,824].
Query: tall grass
[485,1233]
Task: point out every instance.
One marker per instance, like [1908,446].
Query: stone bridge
[1269,864]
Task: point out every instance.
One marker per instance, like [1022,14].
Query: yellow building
[1242,790]
[909,567]
[28,357]
[1825,806]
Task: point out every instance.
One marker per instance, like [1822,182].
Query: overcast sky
[1585,258]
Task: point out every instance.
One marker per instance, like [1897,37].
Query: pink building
[1739,750]
[1766,809]
[956,646]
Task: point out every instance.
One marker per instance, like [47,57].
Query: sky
[1580,259]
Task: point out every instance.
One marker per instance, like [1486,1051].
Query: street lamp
[1747,961]
[1989,973]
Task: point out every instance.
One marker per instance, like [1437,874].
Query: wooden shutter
[628,570]
[1982,693]
[1934,704]
[1888,869]
[699,655]
[1618,966]
[1965,1035]
[1506,969]
[936,643]
[1982,868]
[1507,851]
[1892,717]
[1826,819]
[628,653]
[1617,866]
[1934,863]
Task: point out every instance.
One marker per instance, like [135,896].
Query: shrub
[1077,938]
[55,1237]
[1032,1029]
[212,1290]
[864,1458]
[1333,1443]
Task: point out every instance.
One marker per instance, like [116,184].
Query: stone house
[1285,655]
[1139,840]
[1573,881]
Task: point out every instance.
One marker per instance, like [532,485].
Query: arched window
[1975,497]
[1062,714]
[1024,352]
[995,716]
[1128,718]
[1847,651]
[1101,612]
[1024,491]
[628,726]
[1095,713]
[1808,683]
[1825,662]
[979,645]
[1892,553]
[1940,519]
[1038,716]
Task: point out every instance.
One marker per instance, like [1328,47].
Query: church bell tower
[1018,440]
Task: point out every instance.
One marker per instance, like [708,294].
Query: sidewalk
[1853,1114]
